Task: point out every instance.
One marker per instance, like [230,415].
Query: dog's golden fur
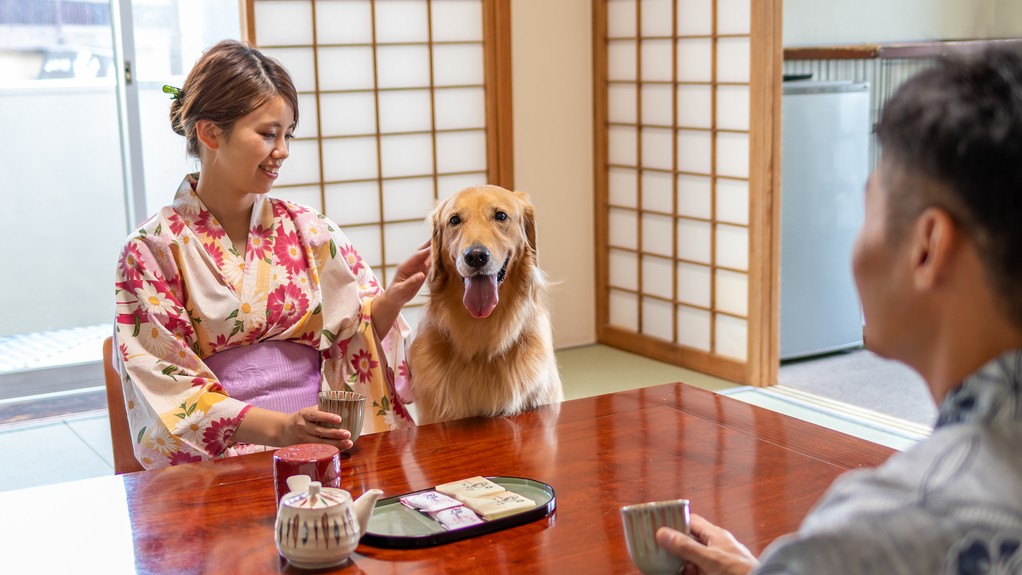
[502,364]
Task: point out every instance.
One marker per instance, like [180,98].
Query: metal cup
[349,405]
[641,523]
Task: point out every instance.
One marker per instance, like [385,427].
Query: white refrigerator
[824,167]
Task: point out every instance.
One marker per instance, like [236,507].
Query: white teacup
[641,523]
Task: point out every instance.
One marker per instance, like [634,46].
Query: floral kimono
[184,293]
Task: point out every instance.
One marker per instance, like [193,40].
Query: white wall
[553,151]
[814,22]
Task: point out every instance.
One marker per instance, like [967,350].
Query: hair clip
[178,93]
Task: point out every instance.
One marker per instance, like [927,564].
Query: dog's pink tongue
[480,295]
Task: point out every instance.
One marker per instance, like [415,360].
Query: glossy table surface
[750,470]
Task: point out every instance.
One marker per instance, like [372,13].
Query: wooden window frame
[763,316]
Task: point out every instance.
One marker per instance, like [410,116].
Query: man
[938,265]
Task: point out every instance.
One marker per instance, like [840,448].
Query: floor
[67,448]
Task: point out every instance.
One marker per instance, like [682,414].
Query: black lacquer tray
[394,526]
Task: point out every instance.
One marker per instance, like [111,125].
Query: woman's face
[257,147]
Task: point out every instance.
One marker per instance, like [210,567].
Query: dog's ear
[436,249]
[528,220]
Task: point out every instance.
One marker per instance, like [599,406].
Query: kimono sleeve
[356,360]
[177,410]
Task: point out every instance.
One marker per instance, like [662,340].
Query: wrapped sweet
[456,517]
[497,505]
[429,501]
[471,487]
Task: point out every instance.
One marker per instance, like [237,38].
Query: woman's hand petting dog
[406,283]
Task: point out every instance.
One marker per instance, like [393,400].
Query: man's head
[949,183]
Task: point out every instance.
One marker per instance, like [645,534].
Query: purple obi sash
[280,375]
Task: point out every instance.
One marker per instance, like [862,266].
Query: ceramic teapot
[320,526]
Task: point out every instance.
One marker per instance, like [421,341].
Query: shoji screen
[402,102]
[685,103]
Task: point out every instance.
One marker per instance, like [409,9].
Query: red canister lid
[306,453]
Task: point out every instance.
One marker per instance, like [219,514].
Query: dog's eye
[455,220]
[501,216]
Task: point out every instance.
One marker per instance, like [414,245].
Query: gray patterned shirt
[950,505]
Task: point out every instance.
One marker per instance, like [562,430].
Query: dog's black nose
[476,257]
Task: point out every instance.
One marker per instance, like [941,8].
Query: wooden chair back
[120,433]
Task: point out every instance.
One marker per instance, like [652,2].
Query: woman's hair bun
[177,117]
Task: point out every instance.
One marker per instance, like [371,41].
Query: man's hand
[714,550]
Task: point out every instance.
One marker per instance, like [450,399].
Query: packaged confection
[429,501]
[471,487]
[456,517]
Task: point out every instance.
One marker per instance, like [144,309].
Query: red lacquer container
[319,461]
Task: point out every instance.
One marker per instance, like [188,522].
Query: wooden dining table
[753,471]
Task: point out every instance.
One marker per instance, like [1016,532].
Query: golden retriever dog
[485,342]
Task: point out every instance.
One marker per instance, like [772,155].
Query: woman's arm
[266,427]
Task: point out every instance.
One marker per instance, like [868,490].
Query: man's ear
[208,134]
[934,237]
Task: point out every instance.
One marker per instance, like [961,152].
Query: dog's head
[480,235]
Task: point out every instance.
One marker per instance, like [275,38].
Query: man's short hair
[959,124]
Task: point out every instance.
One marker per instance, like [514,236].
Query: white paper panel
[734,16]
[410,155]
[299,63]
[622,145]
[458,65]
[302,165]
[621,60]
[405,111]
[694,328]
[624,229]
[345,68]
[457,20]
[366,240]
[657,234]
[412,315]
[733,247]
[694,151]
[303,195]
[283,23]
[657,60]
[733,154]
[349,159]
[449,185]
[733,201]
[695,17]
[732,292]
[624,310]
[623,189]
[658,192]
[624,269]
[458,108]
[401,21]
[657,104]
[694,284]
[733,60]
[658,277]
[694,241]
[733,107]
[732,337]
[621,103]
[357,203]
[695,60]
[656,319]
[461,152]
[407,199]
[306,116]
[694,196]
[402,66]
[657,148]
[621,19]
[402,240]
[343,22]
[694,106]
[657,17]
[348,114]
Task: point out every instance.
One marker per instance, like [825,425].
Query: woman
[234,309]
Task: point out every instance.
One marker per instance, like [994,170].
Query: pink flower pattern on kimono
[165,328]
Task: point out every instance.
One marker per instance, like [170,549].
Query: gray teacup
[641,523]
[349,405]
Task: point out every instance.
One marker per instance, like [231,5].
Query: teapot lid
[317,497]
